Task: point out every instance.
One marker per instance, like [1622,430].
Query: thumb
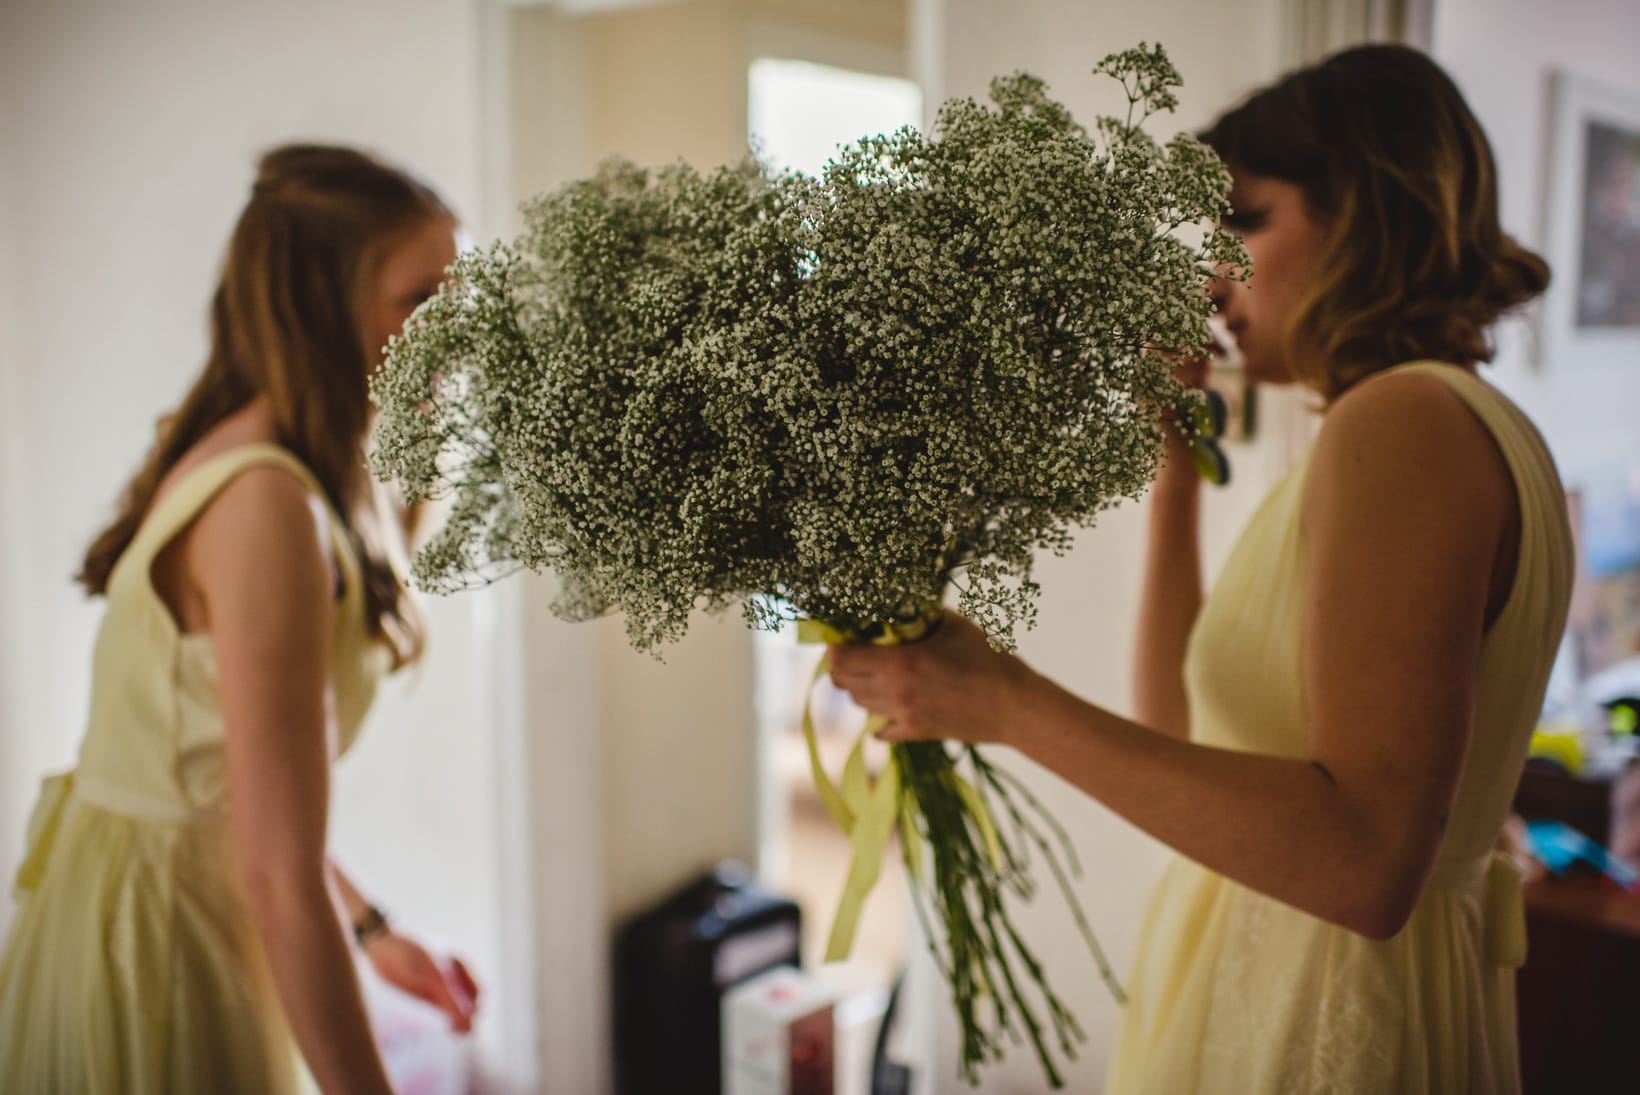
[440,996]
[465,987]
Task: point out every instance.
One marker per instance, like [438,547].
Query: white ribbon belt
[134,804]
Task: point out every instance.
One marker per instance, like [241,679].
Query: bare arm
[260,558]
[1172,594]
[1405,509]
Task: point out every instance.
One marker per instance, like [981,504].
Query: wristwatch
[371,923]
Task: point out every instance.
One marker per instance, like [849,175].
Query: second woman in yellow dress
[182,929]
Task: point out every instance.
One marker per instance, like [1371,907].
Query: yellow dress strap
[195,488]
[1537,482]
[1514,433]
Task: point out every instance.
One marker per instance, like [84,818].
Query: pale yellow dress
[132,965]
[1237,993]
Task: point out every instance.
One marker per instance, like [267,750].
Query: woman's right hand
[414,970]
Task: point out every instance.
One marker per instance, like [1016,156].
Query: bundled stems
[992,973]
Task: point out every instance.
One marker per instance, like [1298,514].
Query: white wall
[16,752]
[1089,598]
[129,133]
[1501,53]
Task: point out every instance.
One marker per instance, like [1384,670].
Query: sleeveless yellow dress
[133,965]
[1234,992]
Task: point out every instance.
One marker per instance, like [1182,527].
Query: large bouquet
[833,399]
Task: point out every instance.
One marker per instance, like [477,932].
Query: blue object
[1559,845]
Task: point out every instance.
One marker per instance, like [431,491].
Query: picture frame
[1604,621]
[1591,313]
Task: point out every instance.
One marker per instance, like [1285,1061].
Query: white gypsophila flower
[842,395]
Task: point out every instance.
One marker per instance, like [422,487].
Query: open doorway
[798,113]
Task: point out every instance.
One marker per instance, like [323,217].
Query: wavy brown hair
[1390,157]
[288,323]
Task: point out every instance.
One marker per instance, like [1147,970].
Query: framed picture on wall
[1604,623]
[1592,311]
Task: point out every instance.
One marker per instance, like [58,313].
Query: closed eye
[1242,221]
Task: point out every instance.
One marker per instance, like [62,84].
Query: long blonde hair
[288,324]
[1389,155]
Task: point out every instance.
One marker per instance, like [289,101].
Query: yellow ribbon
[1505,914]
[869,813]
[43,823]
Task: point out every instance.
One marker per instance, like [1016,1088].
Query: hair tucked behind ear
[287,323]
[1389,155]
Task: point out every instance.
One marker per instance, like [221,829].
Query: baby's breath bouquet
[833,399]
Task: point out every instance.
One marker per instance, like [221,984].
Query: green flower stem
[978,949]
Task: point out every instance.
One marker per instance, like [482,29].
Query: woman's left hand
[951,685]
[410,968]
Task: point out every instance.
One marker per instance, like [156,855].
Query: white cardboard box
[779,1036]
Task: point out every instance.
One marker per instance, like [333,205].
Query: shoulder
[1404,405]
[1411,421]
[1409,439]
[263,520]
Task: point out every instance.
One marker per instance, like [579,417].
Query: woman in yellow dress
[181,928]
[1332,738]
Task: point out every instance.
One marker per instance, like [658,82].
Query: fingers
[840,658]
[442,990]
[1193,372]
[876,679]
[893,731]
[910,685]
[884,679]
[442,983]
[858,669]
[459,1014]
[463,984]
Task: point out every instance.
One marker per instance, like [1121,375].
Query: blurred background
[536,784]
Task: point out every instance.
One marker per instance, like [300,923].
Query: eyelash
[1244,220]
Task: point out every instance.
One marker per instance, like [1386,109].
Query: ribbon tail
[856,784]
[868,814]
[42,831]
[870,836]
[830,797]
[1505,914]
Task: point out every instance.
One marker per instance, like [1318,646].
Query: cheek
[1276,280]
[395,320]
[389,321]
